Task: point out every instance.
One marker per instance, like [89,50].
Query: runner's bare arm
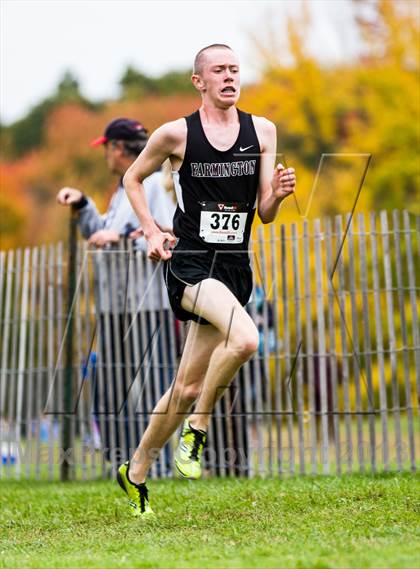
[275,186]
[163,143]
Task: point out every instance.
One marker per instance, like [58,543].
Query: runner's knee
[186,393]
[244,343]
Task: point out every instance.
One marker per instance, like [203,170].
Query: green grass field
[314,522]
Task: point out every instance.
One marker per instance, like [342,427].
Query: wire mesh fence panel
[379,344]
[4,374]
[331,319]
[333,387]
[276,347]
[308,348]
[298,367]
[367,345]
[404,338]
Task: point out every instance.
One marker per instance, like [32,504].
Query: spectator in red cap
[123,140]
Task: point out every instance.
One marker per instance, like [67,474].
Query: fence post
[67,449]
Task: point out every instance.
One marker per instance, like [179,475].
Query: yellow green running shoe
[137,493]
[189,451]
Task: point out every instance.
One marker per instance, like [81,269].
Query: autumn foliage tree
[366,106]
[369,106]
[29,213]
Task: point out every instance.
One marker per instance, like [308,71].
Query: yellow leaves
[399,27]
[367,106]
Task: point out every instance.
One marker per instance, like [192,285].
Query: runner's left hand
[283,182]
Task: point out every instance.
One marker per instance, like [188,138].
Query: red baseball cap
[121,129]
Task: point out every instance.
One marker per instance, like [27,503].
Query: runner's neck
[215,116]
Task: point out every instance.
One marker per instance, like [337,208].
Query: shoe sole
[184,476]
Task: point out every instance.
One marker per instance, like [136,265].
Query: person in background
[123,140]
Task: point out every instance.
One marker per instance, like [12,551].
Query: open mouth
[229,89]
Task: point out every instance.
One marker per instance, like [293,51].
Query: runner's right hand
[158,245]
[69,196]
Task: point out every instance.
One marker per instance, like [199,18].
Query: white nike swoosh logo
[243,149]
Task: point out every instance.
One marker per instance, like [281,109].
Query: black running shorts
[189,266]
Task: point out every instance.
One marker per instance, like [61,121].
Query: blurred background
[337,76]
[337,376]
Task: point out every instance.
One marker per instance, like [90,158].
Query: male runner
[222,161]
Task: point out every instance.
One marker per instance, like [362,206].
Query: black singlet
[217,190]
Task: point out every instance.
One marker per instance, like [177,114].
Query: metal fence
[88,345]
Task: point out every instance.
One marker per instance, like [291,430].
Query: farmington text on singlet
[222,169]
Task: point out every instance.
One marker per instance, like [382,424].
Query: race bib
[223,222]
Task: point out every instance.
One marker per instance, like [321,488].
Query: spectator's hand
[283,182]
[136,233]
[158,245]
[69,196]
[103,237]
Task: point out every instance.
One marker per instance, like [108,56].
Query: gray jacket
[137,285]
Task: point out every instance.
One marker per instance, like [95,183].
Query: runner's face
[220,76]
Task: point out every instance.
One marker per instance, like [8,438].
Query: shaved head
[201,56]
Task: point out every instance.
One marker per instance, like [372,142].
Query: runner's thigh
[199,346]
[212,300]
